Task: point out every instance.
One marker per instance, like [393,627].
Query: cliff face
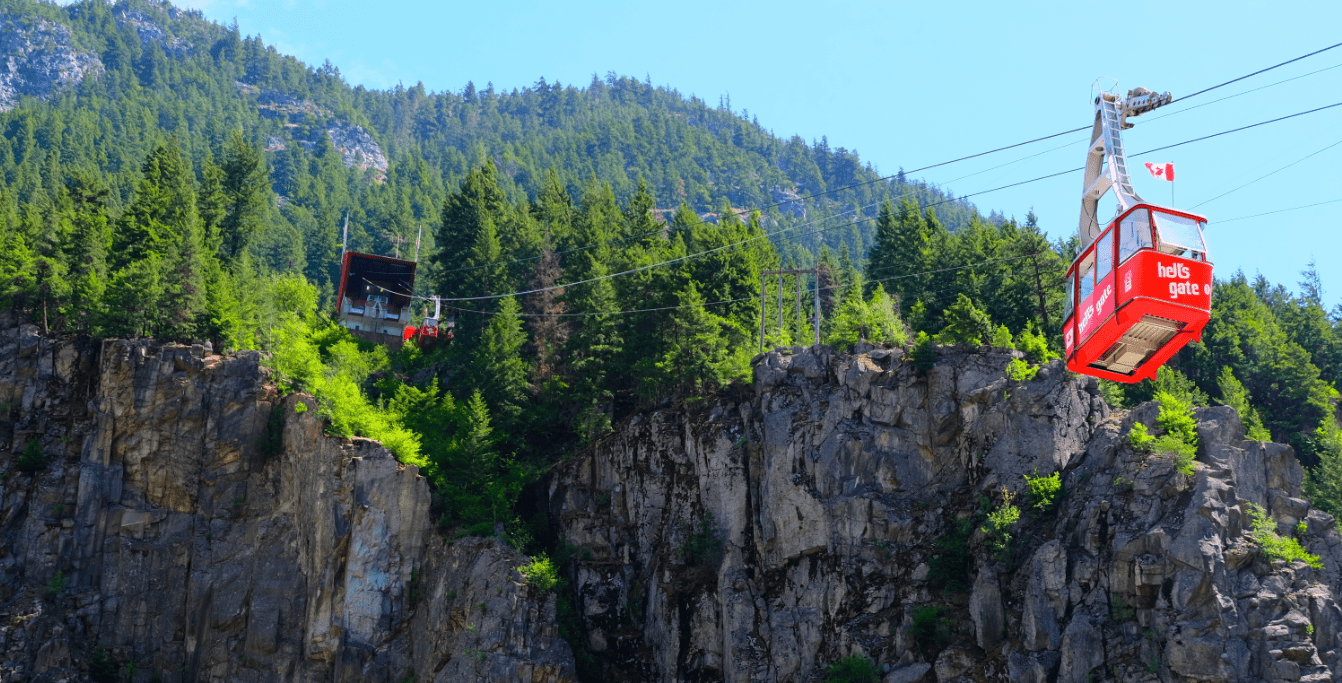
[196,535]
[829,486]
[38,58]
[200,527]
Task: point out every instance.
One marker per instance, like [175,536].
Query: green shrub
[1043,492]
[32,459]
[998,526]
[1176,418]
[56,585]
[542,573]
[950,568]
[1181,432]
[1301,528]
[1273,545]
[1121,610]
[703,545]
[1139,438]
[1035,346]
[931,631]
[1002,338]
[1020,371]
[854,669]
[924,354]
[300,407]
[101,667]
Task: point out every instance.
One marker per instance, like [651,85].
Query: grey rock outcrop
[38,58]
[193,522]
[827,490]
[149,31]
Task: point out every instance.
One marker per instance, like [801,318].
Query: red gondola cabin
[1137,294]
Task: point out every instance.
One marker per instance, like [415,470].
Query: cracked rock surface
[821,494]
[167,530]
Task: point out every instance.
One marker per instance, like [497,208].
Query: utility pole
[344,237]
[764,287]
[418,237]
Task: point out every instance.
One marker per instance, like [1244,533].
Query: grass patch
[1274,546]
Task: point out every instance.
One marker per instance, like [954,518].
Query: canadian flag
[1165,171]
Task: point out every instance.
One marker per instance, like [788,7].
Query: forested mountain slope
[162,73]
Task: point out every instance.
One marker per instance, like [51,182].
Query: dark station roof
[364,274]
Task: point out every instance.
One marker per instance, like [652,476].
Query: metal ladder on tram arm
[1106,165]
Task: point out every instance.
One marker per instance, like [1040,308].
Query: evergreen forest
[196,184]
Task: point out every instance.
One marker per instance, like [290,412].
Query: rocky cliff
[38,58]
[761,536]
[194,525]
[197,527]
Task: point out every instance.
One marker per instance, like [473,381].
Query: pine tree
[697,356]
[246,190]
[966,323]
[86,257]
[499,372]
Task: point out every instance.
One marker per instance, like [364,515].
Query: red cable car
[1141,289]
[1128,320]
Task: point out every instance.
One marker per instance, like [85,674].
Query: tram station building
[374,301]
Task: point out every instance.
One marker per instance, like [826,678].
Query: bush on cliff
[1273,545]
[853,669]
[32,459]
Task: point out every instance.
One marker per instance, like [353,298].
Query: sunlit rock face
[821,494]
[38,59]
[205,528]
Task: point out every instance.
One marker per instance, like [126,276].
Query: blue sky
[914,84]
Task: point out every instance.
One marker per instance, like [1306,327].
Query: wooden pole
[764,286]
[797,277]
[817,306]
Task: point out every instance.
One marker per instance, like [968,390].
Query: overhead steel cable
[924,168]
[1238,94]
[1236,80]
[1271,173]
[1269,213]
[921,207]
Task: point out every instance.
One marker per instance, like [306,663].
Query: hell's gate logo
[1127,282]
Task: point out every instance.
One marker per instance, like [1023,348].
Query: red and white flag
[1165,171]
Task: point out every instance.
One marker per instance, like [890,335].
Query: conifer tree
[246,191]
[966,323]
[500,373]
[86,256]
[697,353]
